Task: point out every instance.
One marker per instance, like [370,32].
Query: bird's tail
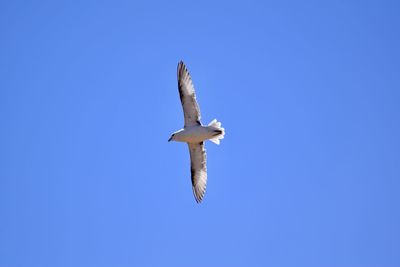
[218,130]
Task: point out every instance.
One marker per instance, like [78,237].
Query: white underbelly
[195,134]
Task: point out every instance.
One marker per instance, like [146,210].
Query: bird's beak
[170,139]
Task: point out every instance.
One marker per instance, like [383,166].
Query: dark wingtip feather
[181,65]
[181,68]
[199,197]
[199,194]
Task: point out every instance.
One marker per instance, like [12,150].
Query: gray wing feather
[198,158]
[187,95]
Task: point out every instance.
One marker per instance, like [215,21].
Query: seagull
[194,133]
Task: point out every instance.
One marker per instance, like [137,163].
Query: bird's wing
[198,169]
[191,109]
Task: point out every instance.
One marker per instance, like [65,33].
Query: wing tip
[181,68]
[181,65]
[198,194]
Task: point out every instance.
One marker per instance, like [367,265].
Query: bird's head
[172,137]
[175,136]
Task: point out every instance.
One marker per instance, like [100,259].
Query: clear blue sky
[308,173]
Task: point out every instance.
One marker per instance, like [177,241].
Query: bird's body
[197,134]
[194,133]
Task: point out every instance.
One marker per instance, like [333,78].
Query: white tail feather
[216,125]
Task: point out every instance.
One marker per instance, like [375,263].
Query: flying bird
[194,133]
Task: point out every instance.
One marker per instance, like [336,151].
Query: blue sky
[308,172]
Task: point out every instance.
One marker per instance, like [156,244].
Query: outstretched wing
[191,109]
[198,169]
